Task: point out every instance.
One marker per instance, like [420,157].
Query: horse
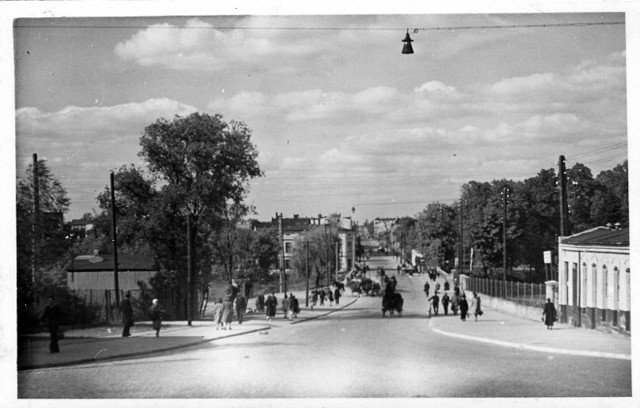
[392,302]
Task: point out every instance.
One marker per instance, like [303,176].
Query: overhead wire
[415,30]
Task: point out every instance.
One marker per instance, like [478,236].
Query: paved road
[350,354]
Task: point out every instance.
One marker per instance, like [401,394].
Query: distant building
[594,279]
[81,225]
[291,229]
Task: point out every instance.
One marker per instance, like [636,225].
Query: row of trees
[190,196]
[533,217]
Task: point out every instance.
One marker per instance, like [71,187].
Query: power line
[415,30]
[600,150]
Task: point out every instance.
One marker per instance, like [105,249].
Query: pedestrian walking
[447,285]
[217,313]
[435,302]
[455,304]
[322,296]
[337,296]
[314,298]
[445,303]
[475,306]
[285,306]
[549,314]
[127,315]
[271,305]
[464,308]
[155,313]
[52,315]
[330,297]
[260,303]
[294,306]
[227,311]
[241,307]
[426,288]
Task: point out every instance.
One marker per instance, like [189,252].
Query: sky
[341,119]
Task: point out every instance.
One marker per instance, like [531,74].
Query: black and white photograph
[298,204]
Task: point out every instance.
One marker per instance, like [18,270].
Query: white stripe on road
[535,348]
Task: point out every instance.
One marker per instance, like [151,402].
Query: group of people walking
[325,295]
[457,301]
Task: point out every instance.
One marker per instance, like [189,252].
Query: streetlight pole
[114,239]
[306,245]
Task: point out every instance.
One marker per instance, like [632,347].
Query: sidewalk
[105,343]
[500,329]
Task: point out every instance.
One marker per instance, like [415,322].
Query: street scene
[420,357]
[315,208]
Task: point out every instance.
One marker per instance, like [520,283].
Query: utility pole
[306,245]
[505,196]
[34,228]
[564,208]
[190,265]
[461,250]
[114,240]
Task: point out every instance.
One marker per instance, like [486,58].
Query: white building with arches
[594,279]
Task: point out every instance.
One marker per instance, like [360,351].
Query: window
[583,285]
[565,277]
[574,280]
[287,264]
[594,285]
[605,291]
[287,247]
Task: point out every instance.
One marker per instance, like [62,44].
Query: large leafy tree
[204,163]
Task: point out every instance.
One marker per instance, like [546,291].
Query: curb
[533,348]
[170,348]
[138,353]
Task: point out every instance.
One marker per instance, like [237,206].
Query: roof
[104,262]
[600,236]
[81,222]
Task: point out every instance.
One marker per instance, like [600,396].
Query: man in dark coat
[549,314]
[445,303]
[464,307]
[127,315]
[52,314]
[260,303]
[435,302]
[270,305]
[294,306]
[155,313]
[241,307]
[337,295]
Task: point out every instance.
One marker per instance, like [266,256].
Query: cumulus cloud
[197,45]
[81,140]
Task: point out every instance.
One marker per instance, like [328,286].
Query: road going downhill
[353,353]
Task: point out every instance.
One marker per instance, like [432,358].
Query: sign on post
[547,257]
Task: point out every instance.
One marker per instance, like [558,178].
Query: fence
[529,294]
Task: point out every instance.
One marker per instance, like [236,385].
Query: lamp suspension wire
[415,30]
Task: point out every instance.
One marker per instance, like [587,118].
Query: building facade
[594,279]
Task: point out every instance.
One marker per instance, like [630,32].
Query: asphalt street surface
[353,353]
